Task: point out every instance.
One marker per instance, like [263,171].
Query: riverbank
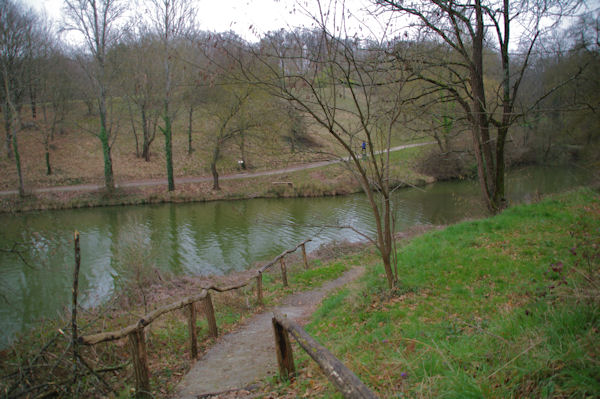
[328,178]
[500,307]
[505,306]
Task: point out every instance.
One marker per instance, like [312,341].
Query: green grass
[315,277]
[479,312]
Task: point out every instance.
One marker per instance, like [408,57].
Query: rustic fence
[135,331]
[350,386]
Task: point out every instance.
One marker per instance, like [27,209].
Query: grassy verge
[330,180]
[39,363]
[501,307]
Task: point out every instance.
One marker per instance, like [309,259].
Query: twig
[95,373]
[516,357]
[211,394]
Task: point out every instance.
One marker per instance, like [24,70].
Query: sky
[246,17]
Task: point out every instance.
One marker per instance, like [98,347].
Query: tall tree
[469,30]
[98,23]
[173,20]
[17,34]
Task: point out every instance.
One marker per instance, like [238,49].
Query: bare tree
[173,20]
[141,81]
[17,32]
[55,94]
[98,23]
[354,91]
[467,31]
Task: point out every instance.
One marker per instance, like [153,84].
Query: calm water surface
[206,238]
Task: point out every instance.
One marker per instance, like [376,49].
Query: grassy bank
[330,180]
[501,307]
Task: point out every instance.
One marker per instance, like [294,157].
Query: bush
[448,165]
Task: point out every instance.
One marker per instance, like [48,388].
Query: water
[206,238]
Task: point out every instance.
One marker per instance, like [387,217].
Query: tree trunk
[190,120]
[215,174]
[47,156]
[146,138]
[18,161]
[33,103]
[213,165]
[7,129]
[109,181]
[480,124]
[169,150]
[134,130]
[499,199]
[90,107]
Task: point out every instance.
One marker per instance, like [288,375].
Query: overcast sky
[246,17]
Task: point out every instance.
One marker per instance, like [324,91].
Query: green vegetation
[501,307]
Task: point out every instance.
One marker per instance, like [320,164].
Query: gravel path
[194,179]
[248,354]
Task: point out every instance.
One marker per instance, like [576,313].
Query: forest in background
[152,95]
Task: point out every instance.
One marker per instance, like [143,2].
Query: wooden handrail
[141,323]
[137,337]
[350,386]
[153,315]
[281,255]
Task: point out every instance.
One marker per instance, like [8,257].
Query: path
[196,179]
[248,354]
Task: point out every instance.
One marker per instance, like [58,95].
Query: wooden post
[344,380]
[74,305]
[304,256]
[193,333]
[283,347]
[283,272]
[209,311]
[137,344]
[259,293]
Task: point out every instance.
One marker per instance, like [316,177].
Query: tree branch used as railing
[344,380]
[150,317]
[136,334]
[141,323]
[284,253]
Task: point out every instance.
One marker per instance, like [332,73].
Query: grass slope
[500,307]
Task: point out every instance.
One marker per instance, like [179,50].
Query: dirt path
[248,354]
[194,179]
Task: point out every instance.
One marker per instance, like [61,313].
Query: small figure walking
[364,150]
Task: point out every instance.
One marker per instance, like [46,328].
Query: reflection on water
[207,238]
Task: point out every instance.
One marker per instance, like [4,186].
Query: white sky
[225,15]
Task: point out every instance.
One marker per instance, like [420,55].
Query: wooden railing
[135,331]
[350,386]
